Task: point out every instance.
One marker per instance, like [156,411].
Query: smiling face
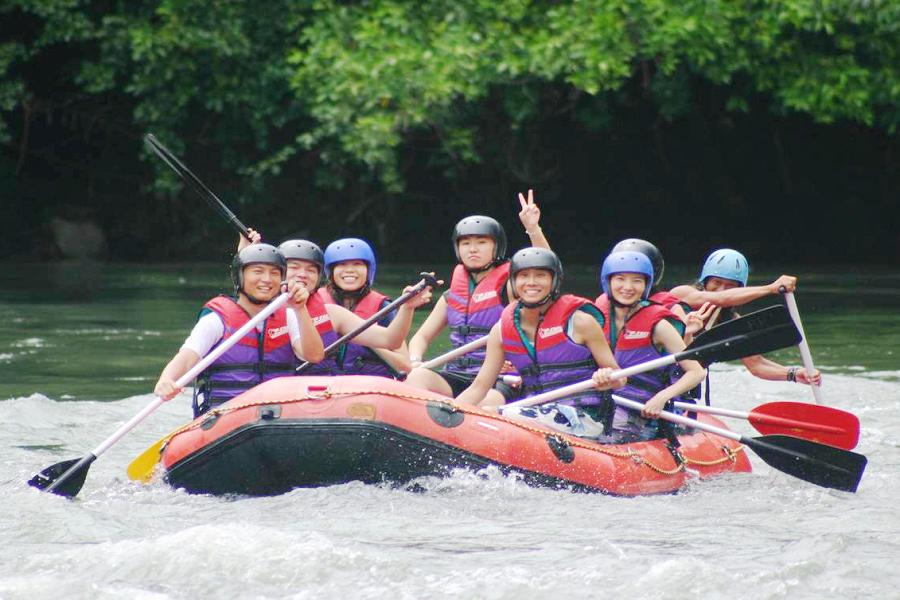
[720,284]
[350,275]
[304,271]
[476,251]
[533,285]
[627,288]
[261,281]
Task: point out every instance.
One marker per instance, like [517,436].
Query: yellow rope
[730,454]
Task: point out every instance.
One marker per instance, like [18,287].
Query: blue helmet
[626,261]
[727,264]
[350,249]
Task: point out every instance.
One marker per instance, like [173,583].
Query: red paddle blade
[813,422]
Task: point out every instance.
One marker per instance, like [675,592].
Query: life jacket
[257,357]
[634,345]
[354,359]
[471,316]
[556,360]
[668,300]
[316,308]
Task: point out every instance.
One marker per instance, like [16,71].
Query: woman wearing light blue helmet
[723,283]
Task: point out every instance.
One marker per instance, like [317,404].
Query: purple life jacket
[354,359]
[472,316]
[257,357]
[316,308]
[557,360]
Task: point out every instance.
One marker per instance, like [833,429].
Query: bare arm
[397,359]
[665,335]
[309,346]
[587,331]
[432,326]
[178,366]
[530,216]
[490,370]
[376,336]
[735,296]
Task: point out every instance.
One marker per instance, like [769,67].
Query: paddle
[437,361]
[759,332]
[804,346]
[67,477]
[427,280]
[812,422]
[819,464]
[194,182]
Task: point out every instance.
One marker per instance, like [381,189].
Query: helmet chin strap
[490,265]
[547,299]
[340,295]
[253,300]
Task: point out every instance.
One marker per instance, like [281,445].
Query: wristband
[792,374]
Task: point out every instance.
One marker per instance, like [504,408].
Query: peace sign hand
[530,215]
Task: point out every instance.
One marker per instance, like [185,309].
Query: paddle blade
[143,467]
[64,478]
[816,463]
[759,332]
[814,422]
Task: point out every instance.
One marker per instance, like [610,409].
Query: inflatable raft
[314,431]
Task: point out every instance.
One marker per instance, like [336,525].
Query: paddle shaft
[587,384]
[437,361]
[427,280]
[182,381]
[195,183]
[804,346]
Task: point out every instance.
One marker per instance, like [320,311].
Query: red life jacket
[354,359]
[472,316]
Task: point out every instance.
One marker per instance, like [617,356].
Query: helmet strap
[340,295]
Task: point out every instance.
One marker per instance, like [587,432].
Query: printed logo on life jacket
[484,296]
[320,319]
[548,331]
[636,335]
[276,332]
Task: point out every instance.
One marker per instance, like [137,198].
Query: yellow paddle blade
[142,468]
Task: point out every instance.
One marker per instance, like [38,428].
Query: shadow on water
[100,331]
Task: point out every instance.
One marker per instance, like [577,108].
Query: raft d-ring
[636,458]
[318,392]
[731,454]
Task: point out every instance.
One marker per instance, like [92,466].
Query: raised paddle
[427,280]
[816,463]
[804,346]
[194,182]
[437,361]
[66,478]
[762,331]
[812,422]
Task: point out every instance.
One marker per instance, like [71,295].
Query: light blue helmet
[626,261]
[727,264]
[350,249]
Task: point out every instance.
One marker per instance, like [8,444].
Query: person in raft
[305,264]
[257,273]
[552,340]
[350,272]
[693,319]
[723,283]
[638,331]
[479,289]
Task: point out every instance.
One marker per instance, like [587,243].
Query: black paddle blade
[822,465]
[759,332]
[58,478]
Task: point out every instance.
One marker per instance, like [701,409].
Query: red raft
[314,431]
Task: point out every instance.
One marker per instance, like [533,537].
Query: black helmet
[481,225]
[648,250]
[303,250]
[255,254]
[537,258]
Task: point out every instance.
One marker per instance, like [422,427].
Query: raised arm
[530,216]
[255,238]
[308,345]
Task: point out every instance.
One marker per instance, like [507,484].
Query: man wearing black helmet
[553,340]
[257,273]
[479,289]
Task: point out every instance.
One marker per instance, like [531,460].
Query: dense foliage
[382,107]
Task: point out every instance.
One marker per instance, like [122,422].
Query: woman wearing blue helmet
[723,282]
[639,330]
[349,272]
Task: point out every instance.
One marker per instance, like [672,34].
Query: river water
[82,345]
